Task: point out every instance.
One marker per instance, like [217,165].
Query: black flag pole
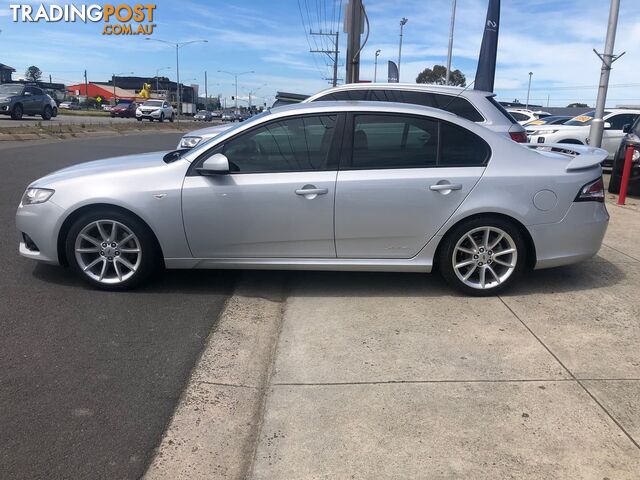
[486,73]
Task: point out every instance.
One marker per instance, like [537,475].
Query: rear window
[501,109]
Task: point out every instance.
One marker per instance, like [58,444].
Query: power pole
[353,27]
[403,22]
[206,94]
[450,51]
[608,57]
[528,90]
[86,85]
[333,54]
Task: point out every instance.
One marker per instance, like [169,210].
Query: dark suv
[18,100]
[632,137]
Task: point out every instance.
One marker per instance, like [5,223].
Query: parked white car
[160,110]
[523,115]
[576,130]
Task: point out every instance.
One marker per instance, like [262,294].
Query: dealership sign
[121,19]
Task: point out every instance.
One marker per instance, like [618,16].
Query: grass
[83,113]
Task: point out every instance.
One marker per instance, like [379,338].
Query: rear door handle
[312,191]
[445,186]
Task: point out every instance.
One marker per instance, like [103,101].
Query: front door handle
[311,190]
[439,187]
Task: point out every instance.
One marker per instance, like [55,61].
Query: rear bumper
[578,236]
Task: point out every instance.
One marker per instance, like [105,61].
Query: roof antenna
[458,95]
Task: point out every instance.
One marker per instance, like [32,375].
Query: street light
[235,75]
[375,68]
[403,22]
[529,90]
[450,49]
[113,80]
[158,72]
[178,46]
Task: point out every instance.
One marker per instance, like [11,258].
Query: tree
[438,76]
[33,73]
[577,105]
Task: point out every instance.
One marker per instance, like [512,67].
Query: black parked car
[632,136]
[17,100]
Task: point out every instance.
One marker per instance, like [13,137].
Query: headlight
[138,111]
[636,155]
[190,142]
[34,196]
[544,132]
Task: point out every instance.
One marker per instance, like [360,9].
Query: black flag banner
[486,73]
[393,72]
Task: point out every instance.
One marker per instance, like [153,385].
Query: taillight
[591,192]
[520,137]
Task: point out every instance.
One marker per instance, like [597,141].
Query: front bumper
[578,236]
[41,223]
[153,114]
[5,108]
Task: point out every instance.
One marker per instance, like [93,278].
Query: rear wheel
[16,113]
[482,256]
[111,250]
[47,113]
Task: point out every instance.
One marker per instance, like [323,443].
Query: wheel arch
[529,244]
[73,216]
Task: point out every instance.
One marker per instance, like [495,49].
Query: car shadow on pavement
[218,282]
[588,275]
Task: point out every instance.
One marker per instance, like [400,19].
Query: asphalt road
[88,379]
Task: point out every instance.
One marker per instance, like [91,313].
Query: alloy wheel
[108,251]
[484,257]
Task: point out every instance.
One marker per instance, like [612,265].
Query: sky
[554,39]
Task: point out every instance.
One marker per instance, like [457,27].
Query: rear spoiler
[583,156]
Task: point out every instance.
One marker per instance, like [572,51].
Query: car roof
[355,105]
[405,86]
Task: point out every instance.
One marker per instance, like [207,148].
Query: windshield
[10,89]
[584,119]
[202,111]
[153,103]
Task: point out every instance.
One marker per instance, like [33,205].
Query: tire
[55,112]
[47,113]
[139,119]
[482,258]
[104,263]
[161,119]
[173,117]
[17,112]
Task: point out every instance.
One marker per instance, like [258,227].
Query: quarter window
[297,144]
[461,148]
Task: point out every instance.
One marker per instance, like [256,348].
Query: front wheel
[47,113]
[16,113]
[173,117]
[161,119]
[482,256]
[111,250]
[139,119]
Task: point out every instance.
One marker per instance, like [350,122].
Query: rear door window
[449,103]
[461,148]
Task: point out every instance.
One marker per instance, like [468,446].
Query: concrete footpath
[361,375]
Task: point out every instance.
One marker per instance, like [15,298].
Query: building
[102,90]
[5,73]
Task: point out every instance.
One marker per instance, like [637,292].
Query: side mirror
[607,126]
[216,164]
[626,128]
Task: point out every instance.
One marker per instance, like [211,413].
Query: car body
[577,130]
[477,106]
[124,110]
[68,105]
[17,100]
[160,110]
[550,120]
[523,115]
[203,116]
[329,186]
[632,137]
[229,116]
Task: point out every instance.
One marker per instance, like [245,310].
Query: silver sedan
[326,186]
